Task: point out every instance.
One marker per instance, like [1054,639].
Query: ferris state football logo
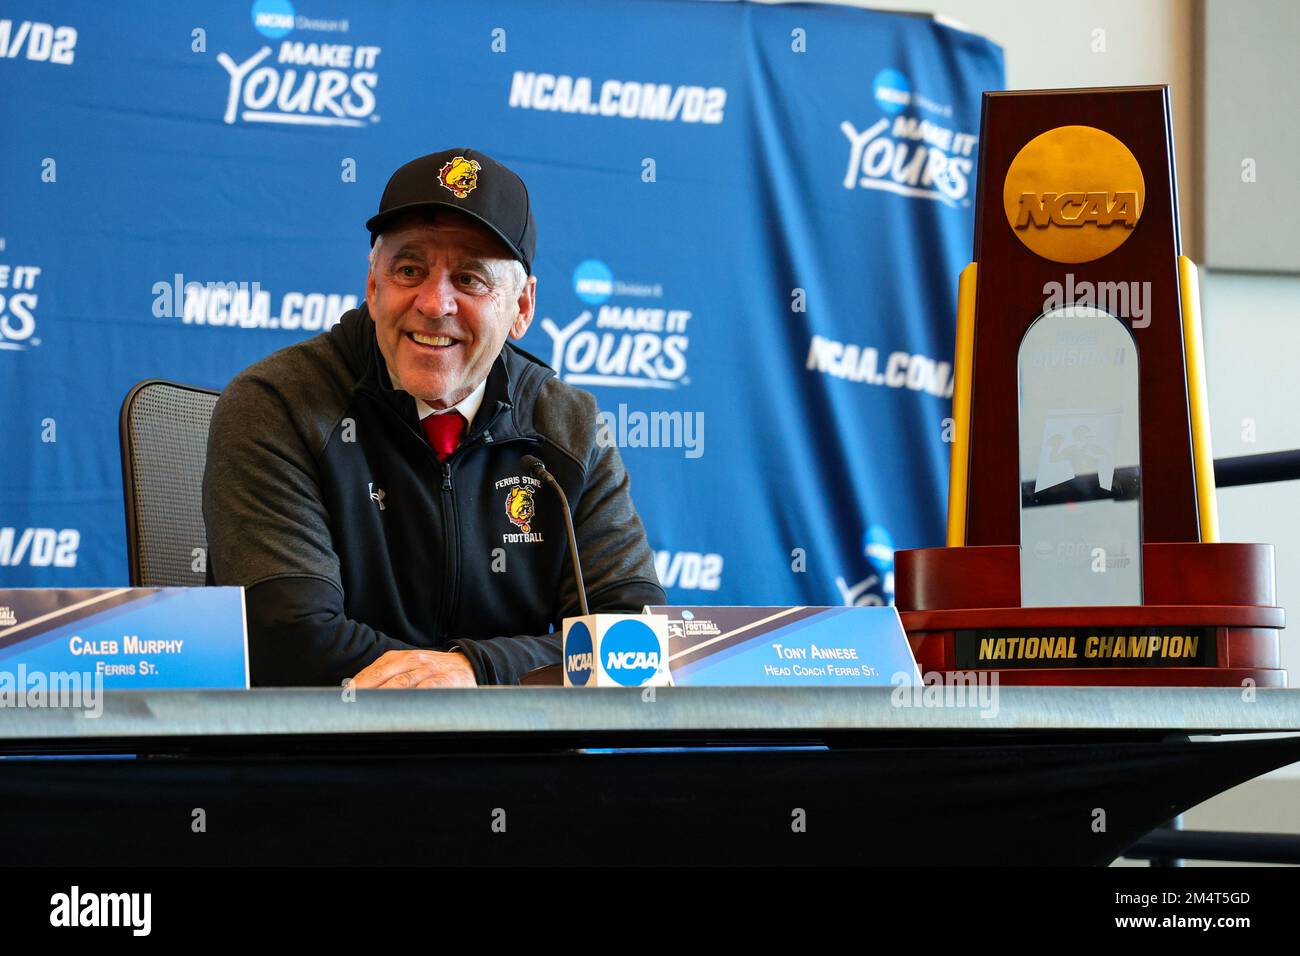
[460,175]
[520,508]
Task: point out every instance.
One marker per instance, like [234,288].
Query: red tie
[444,432]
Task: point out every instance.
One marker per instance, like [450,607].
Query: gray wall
[1249,137]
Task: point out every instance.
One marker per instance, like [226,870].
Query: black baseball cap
[470,182]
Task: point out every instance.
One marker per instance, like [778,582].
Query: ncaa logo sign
[577,654]
[629,653]
[892,91]
[1073,194]
[878,547]
[273,18]
[593,282]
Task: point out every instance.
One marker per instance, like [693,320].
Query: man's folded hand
[406,669]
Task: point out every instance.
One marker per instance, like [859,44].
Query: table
[681,775]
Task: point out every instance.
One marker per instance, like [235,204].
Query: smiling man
[365,485]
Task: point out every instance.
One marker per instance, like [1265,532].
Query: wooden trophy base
[1209,620]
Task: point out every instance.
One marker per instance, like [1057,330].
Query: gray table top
[682,709]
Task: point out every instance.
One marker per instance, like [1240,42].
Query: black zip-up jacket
[323,498]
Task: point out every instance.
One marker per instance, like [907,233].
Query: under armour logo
[376,496]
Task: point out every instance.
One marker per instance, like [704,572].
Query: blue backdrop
[750,223]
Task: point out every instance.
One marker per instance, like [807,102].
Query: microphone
[538,469]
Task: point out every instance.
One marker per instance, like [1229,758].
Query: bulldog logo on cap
[459,175]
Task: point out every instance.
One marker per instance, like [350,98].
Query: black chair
[163,432]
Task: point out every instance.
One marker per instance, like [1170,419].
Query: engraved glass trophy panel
[1080,506]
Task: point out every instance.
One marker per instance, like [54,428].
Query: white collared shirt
[468,406]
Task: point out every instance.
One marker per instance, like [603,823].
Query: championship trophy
[1082,543]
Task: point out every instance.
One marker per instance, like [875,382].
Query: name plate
[130,638]
[787,646]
